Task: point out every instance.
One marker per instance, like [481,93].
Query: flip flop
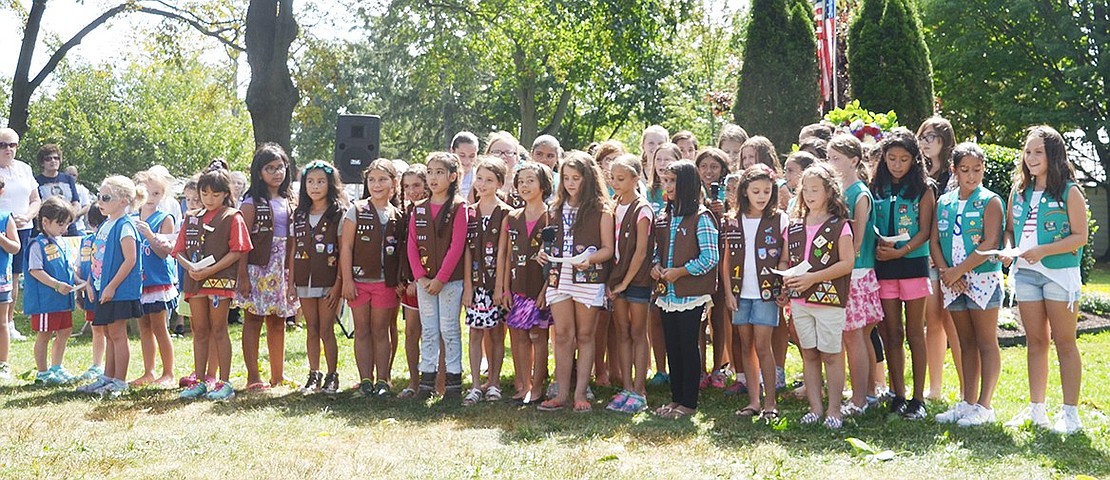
[407,393]
[747,412]
[258,387]
[550,406]
[583,407]
[678,413]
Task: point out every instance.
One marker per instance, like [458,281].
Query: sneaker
[704,382]
[717,379]
[1067,421]
[222,391]
[365,388]
[312,385]
[331,383]
[660,378]
[915,410]
[850,409]
[590,393]
[14,334]
[5,371]
[898,405]
[195,391]
[61,374]
[115,388]
[954,414]
[93,387]
[45,378]
[780,378]
[552,390]
[636,403]
[179,330]
[1035,412]
[94,371]
[737,388]
[977,415]
[618,401]
[107,387]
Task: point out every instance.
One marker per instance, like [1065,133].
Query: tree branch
[201,27]
[60,53]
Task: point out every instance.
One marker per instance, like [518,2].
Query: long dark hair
[304,203]
[266,153]
[752,174]
[216,178]
[451,161]
[687,188]
[592,194]
[1059,170]
[915,181]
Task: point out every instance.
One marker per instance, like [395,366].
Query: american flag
[824,13]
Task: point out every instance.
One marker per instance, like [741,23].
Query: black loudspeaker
[356,145]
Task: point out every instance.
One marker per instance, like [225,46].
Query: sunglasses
[106,198]
[317,164]
[4,145]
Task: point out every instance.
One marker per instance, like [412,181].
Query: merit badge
[319,248]
[902,208]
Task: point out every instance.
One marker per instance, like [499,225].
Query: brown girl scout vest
[526,275]
[483,244]
[686,248]
[626,240]
[377,251]
[433,238]
[262,234]
[823,254]
[589,234]
[768,250]
[204,239]
[316,249]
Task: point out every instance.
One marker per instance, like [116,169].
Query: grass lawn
[55,433]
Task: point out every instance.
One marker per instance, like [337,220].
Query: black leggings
[680,333]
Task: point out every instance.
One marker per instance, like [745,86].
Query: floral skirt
[271,291]
[864,307]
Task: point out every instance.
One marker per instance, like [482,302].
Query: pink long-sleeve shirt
[454,251]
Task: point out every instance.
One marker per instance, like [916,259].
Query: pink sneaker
[705,381]
[717,379]
[188,382]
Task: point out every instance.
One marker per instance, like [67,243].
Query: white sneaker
[977,415]
[954,414]
[5,371]
[14,334]
[1067,421]
[1035,412]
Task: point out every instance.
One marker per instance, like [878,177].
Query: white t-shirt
[1070,278]
[645,212]
[19,182]
[749,286]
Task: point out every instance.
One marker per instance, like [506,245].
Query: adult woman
[21,198]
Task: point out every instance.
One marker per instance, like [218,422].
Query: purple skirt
[524,314]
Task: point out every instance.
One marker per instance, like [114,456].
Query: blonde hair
[122,187]
[834,203]
[148,177]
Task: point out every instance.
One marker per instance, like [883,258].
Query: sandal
[258,387]
[406,393]
[636,403]
[493,394]
[810,418]
[747,412]
[679,412]
[583,407]
[833,423]
[472,397]
[550,405]
[665,409]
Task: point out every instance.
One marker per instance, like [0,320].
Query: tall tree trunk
[271,95]
[21,84]
[526,95]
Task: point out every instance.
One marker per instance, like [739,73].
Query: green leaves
[869,452]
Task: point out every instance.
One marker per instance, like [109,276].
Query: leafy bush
[853,111]
[1095,304]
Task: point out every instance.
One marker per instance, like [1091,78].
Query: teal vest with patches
[865,256]
[1052,224]
[895,215]
[971,223]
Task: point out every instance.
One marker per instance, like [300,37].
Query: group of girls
[846,255]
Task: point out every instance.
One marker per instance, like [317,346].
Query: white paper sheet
[192,267]
[795,270]
[1011,252]
[581,257]
[902,237]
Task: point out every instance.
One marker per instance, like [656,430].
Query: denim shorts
[963,302]
[634,294]
[753,311]
[1034,286]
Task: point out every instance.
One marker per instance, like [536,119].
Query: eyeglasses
[104,197]
[271,169]
[928,137]
[52,158]
[4,145]
[317,164]
[502,153]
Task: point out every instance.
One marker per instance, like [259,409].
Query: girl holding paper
[583,221]
[903,203]
[215,231]
[159,272]
[969,218]
[1048,208]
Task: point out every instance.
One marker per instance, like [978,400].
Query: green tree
[1005,65]
[778,91]
[110,121]
[888,61]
